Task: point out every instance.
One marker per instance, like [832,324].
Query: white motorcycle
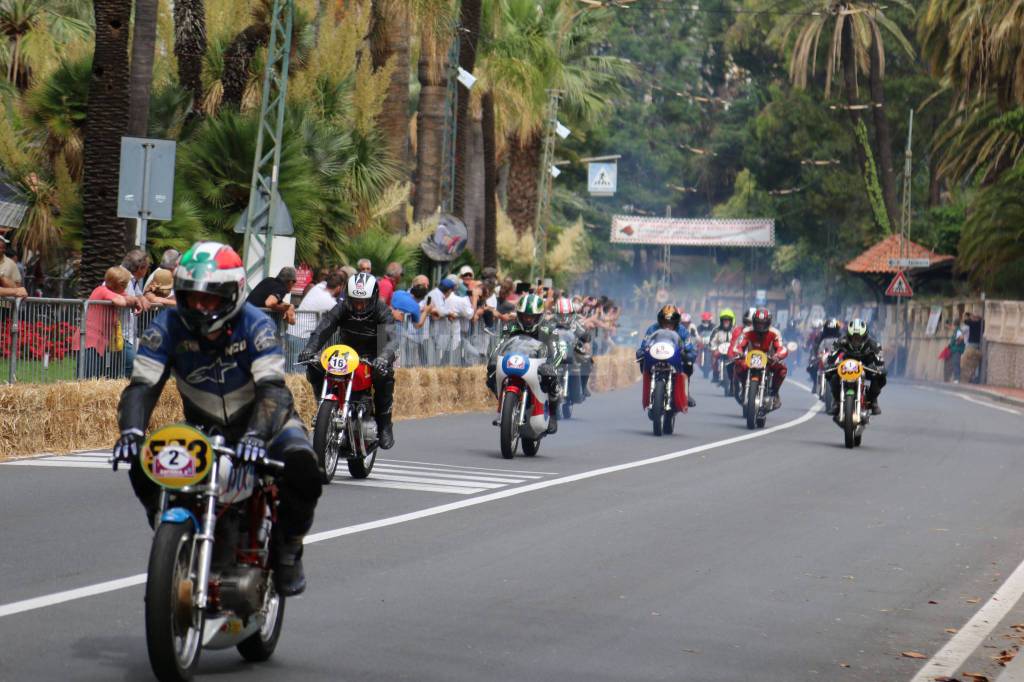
[522,404]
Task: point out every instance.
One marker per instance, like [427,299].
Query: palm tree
[469,34]
[39,31]
[57,107]
[107,111]
[490,246]
[190,47]
[140,79]
[430,122]
[855,46]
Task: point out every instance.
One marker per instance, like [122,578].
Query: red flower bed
[36,339]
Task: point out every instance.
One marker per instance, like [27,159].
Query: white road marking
[971,399]
[396,485]
[121,583]
[950,657]
[456,466]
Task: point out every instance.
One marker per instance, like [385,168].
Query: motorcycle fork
[206,533]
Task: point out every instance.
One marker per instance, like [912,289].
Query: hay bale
[67,416]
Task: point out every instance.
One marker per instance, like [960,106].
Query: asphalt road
[775,556]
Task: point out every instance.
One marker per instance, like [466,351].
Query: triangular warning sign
[899,286]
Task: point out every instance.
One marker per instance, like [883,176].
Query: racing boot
[776,401]
[286,559]
[552,417]
[875,409]
[385,436]
[835,407]
[690,402]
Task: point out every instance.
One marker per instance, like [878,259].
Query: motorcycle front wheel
[750,409]
[259,646]
[509,435]
[849,428]
[324,436]
[174,628]
[658,407]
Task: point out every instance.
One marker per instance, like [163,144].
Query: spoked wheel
[511,406]
[174,628]
[849,429]
[658,407]
[360,467]
[325,440]
[259,646]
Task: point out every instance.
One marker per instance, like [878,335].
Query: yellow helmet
[727,312]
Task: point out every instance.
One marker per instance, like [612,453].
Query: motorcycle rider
[706,326]
[669,317]
[566,317]
[858,345]
[686,322]
[761,335]
[813,335]
[722,334]
[228,366]
[361,318]
[826,336]
[529,321]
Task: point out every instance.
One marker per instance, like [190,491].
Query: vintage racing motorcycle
[663,356]
[522,404]
[853,416]
[344,425]
[756,390]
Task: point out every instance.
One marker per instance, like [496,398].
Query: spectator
[103,339]
[319,277]
[346,271]
[168,261]
[320,299]
[8,266]
[364,265]
[160,290]
[271,292]
[388,283]
[971,361]
[957,345]
[412,309]
[136,262]
[445,329]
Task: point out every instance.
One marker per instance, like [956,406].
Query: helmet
[212,269]
[669,314]
[727,314]
[564,311]
[529,312]
[761,320]
[834,326]
[749,315]
[818,323]
[857,333]
[360,294]
[686,320]
[705,316]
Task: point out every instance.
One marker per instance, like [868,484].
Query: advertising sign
[692,232]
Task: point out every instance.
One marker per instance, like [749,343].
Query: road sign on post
[602,179]
[145,188]
[899,286]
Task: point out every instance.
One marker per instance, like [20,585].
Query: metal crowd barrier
[44,340]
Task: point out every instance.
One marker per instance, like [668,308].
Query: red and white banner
[692,232]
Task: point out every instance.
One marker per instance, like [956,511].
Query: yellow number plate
[339,360]
[757,359]
[177,456]
[850,370]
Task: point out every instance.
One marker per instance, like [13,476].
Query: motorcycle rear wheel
[727,384]
[566,408]
[509,435]
[259,646]
[849,429]
[658,407]
[530,446]
[323,434]
[174,627]
[360,467]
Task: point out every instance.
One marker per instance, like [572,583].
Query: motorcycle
[344,425]
[853,416]
[568,372]
[821,388]
[663,356]
[725,370]
[756,390]
[704,354]
[209,584]
[522,404]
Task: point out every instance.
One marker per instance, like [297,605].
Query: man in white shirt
[318,300]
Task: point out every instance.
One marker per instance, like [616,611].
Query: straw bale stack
[68,416]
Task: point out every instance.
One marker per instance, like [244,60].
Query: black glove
[128,446]
[251,448]
[381,366]
[305,356]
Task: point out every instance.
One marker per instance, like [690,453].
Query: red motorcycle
[344,425]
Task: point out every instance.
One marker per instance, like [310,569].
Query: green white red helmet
[529,311]
[565,311]
[209,268]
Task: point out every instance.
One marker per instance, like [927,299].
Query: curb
[987,393]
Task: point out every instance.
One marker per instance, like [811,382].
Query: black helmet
[669,314]
[761,320]
[833,326]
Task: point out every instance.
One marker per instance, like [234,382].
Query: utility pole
[540,234]
[264,201]
[903,308]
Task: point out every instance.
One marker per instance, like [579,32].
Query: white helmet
[360,294]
